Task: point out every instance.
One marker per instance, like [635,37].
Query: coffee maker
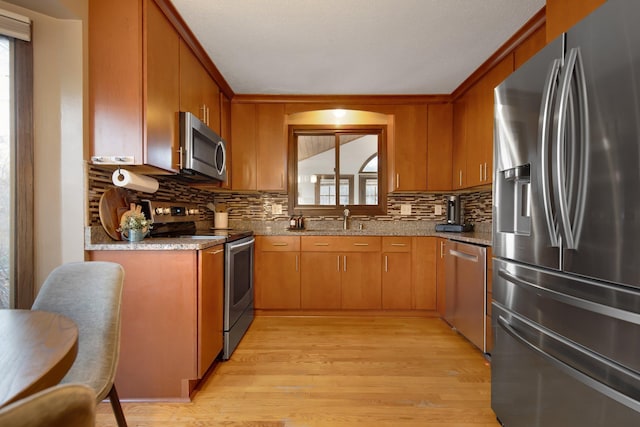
[453,210]
[455,218]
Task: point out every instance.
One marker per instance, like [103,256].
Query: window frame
[336,210]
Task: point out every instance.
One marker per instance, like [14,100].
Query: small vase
[134,235]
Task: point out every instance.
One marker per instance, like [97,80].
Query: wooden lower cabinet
[340,272]
[489,331]
[440,277]
[210,306]
[163,352]
[396,273]
[333,273]
[277,273]
[360,281]
[424,273]
[320,280]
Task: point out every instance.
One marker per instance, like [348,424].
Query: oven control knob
[158,211]
[166,211]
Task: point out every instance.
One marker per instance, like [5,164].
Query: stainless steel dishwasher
[466,290]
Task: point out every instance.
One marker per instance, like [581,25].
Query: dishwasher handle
[465,256]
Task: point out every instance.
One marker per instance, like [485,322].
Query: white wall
[59,130]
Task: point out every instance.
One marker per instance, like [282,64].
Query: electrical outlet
[276,209]
[438,209]
[405,209]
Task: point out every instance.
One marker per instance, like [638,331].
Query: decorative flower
[135,221]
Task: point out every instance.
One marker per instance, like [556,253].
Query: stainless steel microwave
[203,153]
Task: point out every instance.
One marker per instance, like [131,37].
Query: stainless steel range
[172,219]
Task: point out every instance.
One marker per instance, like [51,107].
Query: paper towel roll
[133,181]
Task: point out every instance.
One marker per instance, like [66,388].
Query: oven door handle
[234,246]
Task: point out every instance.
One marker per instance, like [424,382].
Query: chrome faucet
[346,217]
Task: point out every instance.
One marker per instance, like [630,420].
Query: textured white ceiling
[352,46]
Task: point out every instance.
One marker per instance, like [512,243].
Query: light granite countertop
[96,238]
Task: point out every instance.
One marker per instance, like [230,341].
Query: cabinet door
[440,278]
[243,146]
[424,273]
[439,142]
[320,280]
[474,137]
[115,79]
[486,113]
[409,154]
[190,79]
[564,14]
[271,147]
[458,158]
[210,306]
[163,90]
[396,281]
[277,280]
[361,280]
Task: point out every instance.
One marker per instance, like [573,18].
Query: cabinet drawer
[396,244]
[340,244]
[278,243]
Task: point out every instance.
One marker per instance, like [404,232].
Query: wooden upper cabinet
[473,113]
[439,146]
[272,147]
[564,14]
[127,127]
[259,147]
[199,94]
[409,151]
[529,47]
[459,142]
[225,133]
[243,146]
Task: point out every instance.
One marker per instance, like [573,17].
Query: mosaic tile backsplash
[257,206]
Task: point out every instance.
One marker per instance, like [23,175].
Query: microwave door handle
[544,132]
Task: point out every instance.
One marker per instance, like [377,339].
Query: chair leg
[117,409]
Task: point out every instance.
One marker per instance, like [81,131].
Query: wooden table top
[37,348]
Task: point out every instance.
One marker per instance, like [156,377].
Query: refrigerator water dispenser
[515,197]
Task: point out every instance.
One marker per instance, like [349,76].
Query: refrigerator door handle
[564,298]
[569,370]
[573,72]
[544,131]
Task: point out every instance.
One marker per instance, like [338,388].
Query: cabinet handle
[397,181]
[320,244]
[360,244]
[399,244]
[279,244]
[281,180]
[460,177]
[208,111]
[338,259]
[216,252]
[481,172]
[297,264]
[442,249]
[203,113]
[485,171]
[386,264]
[344,263]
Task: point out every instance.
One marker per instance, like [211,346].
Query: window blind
[14,25]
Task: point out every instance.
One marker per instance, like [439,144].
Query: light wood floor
[336,372]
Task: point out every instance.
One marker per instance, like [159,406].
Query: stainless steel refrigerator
[566,229]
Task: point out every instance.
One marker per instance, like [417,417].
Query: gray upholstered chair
[67,405]
[90,293]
